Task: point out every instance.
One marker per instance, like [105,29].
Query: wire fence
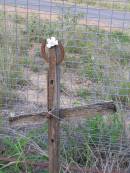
[96,37]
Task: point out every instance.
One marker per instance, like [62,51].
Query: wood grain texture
[88,111]
[27,119]
[53,104]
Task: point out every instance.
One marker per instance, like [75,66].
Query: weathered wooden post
[54,57]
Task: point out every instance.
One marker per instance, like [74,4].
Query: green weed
[123,93]
[21,149]
[104,4]
[122,37]
[83,93]
[82,140]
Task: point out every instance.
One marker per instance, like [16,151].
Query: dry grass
[115,5]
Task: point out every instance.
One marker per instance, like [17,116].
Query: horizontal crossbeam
[88,111]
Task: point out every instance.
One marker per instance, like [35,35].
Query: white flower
[12,114]
[51,42]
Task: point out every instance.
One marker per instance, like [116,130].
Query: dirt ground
[54,17]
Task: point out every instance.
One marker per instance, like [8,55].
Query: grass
[18,148]
[22,148]
[80,46]
[123,93]
[104,4]
[78,143]
[83,93]
[10,77]
[12,60]
[82,141]
[121,37]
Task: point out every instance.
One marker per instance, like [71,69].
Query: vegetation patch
[89,143]
[122,5]
[93,142]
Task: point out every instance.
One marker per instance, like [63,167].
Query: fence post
[55,57]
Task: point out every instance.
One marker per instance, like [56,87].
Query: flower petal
[48,40]
[51,42]
[48,46]
[53,38]
[56,42]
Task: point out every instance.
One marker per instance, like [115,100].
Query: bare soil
[54,17]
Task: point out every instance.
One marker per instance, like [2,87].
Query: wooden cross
[54,57]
